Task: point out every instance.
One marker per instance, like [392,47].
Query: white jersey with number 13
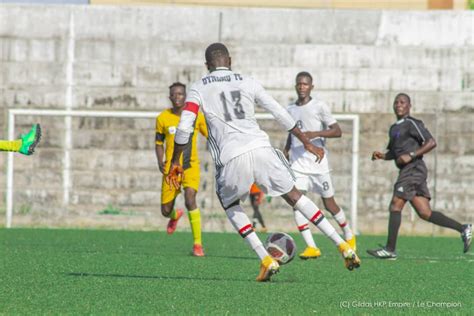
[228,100]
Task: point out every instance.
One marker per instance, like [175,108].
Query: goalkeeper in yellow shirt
[166,124]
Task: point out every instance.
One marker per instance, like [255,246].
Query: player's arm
[326,117]
[160,150]
[427,146]
[181,139]
[333,131]
[159,140]
[284,118]
[308,146]
[286,150]
[202,125]
[388,155]
[427,143]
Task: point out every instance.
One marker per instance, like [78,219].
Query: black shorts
[411,182]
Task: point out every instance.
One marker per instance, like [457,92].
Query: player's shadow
[159,277]
[230,257]
[419,259]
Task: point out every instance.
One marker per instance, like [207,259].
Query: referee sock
[344,224]
[440,219]
[394,221]
[242,224]
[303,227]
[10,145]
[195,221]
[316,216]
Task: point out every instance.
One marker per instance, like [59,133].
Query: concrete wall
[313,4]
[124,58]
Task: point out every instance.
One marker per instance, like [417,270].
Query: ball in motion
[281,247]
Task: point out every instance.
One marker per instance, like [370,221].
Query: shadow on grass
[232,257]
[127,250]
[419,258]
[159,277]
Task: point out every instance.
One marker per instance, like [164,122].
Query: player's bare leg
[301,203]
[174,215]
[339,216]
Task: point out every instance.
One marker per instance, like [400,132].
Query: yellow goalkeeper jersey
[166,125]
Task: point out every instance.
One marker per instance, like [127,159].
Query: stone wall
[124,58]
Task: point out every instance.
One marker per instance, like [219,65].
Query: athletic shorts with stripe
[411,182]
[265,166]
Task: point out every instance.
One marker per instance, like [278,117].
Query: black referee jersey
[407,135]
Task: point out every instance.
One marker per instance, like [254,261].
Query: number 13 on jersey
[231,104]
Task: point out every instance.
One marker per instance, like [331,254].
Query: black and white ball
[281,247]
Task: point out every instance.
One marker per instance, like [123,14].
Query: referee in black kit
[409,141]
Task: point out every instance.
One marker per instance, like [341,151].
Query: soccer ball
[281,247]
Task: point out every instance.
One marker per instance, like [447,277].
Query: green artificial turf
[122,272]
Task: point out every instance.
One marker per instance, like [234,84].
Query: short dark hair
[403,95]
[178,84]
[304,74]
[216,51]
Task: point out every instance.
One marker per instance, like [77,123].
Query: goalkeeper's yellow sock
[10,145]
[195,221]
[173,214]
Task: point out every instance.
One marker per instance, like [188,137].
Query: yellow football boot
[310,253]
[352,243]
[268,267]
[351,260]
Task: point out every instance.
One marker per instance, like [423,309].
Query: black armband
[292,128]
[159,137]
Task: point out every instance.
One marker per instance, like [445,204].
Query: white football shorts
[316,183]
[265,166]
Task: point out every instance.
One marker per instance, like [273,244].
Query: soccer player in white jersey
[242,152]
[314,118]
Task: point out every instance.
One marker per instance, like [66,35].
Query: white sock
[344,224]
[316,216]
[303,226]
[242,224]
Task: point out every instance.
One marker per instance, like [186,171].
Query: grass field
[123,272]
